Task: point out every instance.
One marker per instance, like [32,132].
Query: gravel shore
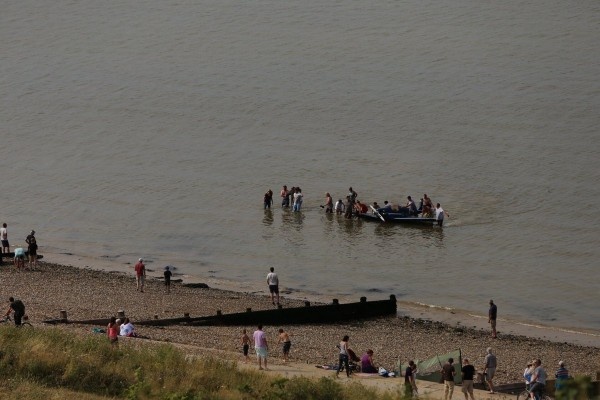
[91,294]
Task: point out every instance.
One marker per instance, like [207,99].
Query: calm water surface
[152,128]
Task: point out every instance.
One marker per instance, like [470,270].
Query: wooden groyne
[309,314]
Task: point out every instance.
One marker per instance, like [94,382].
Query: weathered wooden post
[186,315]
[336,301]
[307,304]
[63,315]
[363,299]
[249,309]
[121,314]
[219,312]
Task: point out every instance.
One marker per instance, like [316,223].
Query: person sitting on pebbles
[127,329]
[366,363]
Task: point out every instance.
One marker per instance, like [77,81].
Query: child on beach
[245,346]
[113,331]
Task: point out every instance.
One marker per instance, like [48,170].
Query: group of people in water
[351,206]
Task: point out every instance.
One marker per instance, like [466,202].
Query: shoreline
[89,293]
[447,315]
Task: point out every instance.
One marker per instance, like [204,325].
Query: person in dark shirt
[19,310]
[410,386]
[492,314]
[32,249]
[448,376]
[468,371]
[168,275]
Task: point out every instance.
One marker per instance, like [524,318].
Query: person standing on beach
[261,346]
[4,239]
[448,373]
[113,331]
[489,368]
[492,314]
[273,282]
[284,338]
[18,308]
[32,249]
[343,346]
[245,339]
[140,275]
[468,371]
[561,375]
[168,275]
[410,384]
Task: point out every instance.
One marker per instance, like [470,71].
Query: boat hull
[398,218]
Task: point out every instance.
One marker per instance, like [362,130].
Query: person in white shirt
[439,214]
[127,328]
[4,239]
[273,282]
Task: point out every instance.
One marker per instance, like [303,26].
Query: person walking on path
[32,249]
[4,239]
[489,368]
[18,308]
[343,346]
[448,373]
[273,282]
[140,275]
[492,315]
[245,339]
[284,338]
[468,371]
[410,384]
[168,275]
[261,347]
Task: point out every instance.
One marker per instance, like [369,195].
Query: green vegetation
[579,388]
[49,363]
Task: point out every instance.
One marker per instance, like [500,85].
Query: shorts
[5,243]
[245,349]
[274,289]
[286,347]
[493,323]
[467,386]
[489,374]
[261,352]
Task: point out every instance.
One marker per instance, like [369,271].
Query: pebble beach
[87,293]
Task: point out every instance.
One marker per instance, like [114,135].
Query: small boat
[399,217]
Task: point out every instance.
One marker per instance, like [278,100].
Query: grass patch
[49,363]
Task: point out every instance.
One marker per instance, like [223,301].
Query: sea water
[153,128]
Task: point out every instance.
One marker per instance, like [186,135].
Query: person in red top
[113,330]
[140,274]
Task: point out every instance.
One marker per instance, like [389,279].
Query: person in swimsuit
[284,338]
[245,346]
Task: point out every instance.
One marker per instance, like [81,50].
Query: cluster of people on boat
[351,206]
